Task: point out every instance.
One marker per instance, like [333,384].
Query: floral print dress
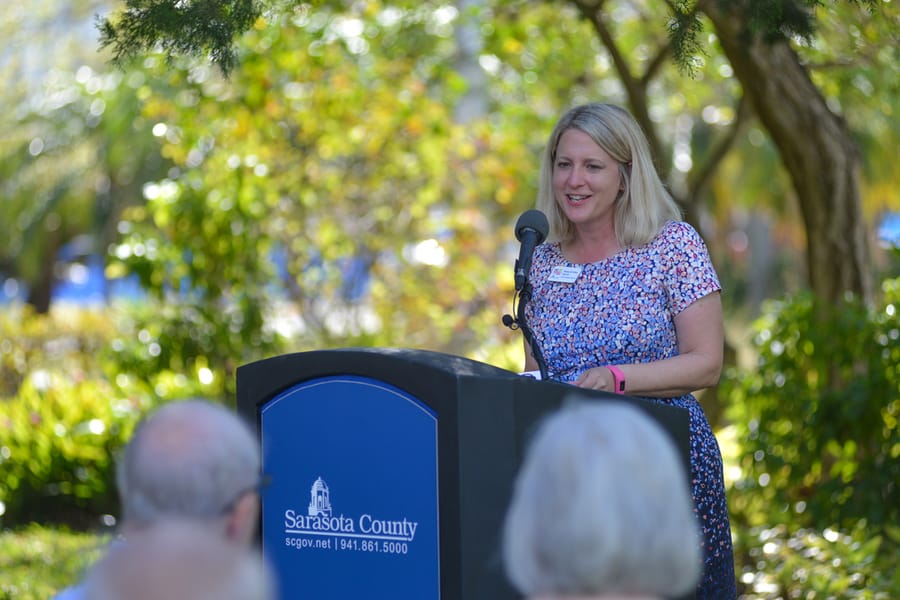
[621,310]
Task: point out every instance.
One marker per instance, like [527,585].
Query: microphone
[531,229]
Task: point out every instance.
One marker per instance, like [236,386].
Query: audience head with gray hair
[601,509]
[191,460]
[179,560]
[193,466]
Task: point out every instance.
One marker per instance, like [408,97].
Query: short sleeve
[689,272]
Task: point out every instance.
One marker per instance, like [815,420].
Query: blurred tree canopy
[332,165]
[331,162]
[71,152]
[813,140]
[330,189]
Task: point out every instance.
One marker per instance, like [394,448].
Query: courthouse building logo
[320,520]
[319,504]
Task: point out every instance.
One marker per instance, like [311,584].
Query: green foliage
[61,419]
[773,20]
[189,28]
[815,507]
[74,383]
[817,417]
[779,19]
[64,341]
[813,564]
[37,562]
[816,504]
[59,440]
[865,48]
[73,149]
[178,349]
[285,192]
[684,29]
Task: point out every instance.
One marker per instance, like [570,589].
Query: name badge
[565,274]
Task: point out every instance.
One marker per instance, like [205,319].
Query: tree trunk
[40,289]
[816,148]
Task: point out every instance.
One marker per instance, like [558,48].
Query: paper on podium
[532,374]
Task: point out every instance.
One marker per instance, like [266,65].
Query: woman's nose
[576,177]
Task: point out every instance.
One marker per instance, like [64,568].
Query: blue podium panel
[352,508]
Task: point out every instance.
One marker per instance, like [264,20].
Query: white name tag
[565,274]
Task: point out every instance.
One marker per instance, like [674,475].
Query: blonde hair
[644,205]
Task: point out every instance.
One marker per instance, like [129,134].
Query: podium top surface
[364,360]
[264,378]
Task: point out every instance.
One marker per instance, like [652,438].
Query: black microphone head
[536,221]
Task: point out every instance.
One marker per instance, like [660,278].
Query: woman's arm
[530,363]
[701,341]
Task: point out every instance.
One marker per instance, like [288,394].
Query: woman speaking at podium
[625,298]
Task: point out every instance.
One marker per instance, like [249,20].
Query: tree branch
[699,178]
[178,27]
[635,88]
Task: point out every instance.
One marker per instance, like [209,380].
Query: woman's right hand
[596,378]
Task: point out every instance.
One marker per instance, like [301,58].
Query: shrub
[58,443]
[811,564]
[73,384]
[36,562]
[817,418]
[66,340]
[815,507]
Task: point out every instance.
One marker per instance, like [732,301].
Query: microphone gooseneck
[531,229]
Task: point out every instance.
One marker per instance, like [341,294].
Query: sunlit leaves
[816,414]
[813,563]
[855,61]
[335,184]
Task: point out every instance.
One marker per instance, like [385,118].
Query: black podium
[391,469]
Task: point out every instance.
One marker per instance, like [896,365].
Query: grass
[37,562]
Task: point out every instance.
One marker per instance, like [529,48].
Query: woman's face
[586,179]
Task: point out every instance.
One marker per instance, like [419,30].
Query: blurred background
[351,176]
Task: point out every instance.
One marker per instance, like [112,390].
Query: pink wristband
[618,378]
